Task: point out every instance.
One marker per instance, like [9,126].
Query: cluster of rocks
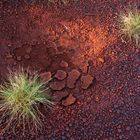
[63,79]
[15,54]
[23,54]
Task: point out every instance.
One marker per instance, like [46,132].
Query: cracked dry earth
[95,75]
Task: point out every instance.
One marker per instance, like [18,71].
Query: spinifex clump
[20,98]
[131,25]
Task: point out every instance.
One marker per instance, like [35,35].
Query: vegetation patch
[131,25]
[20,98]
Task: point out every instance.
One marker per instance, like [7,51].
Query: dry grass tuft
[20,98]
[130,25]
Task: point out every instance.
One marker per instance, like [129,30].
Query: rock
[57,85]
[84,68]
[64,64]
[69,101]
[46,76]
[97,98]
[27,56]
[101,60]
[72,78]
[86,81]
[60,75]
[9,56]
[9,45]
[59,95]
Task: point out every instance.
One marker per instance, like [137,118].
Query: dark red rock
[57,85]
[60,75]
[101,60]
[72,78]
[64,64]
[59,95]
[84,68]
[69,100]
[46,76]
[97,98]
[86,81]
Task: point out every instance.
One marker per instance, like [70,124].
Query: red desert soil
[97,75]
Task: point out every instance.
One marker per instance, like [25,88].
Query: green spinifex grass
[131,25]
[20,98]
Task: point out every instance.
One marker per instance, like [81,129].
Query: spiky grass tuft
[131,25]
[20,98]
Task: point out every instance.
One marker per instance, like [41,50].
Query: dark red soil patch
[84,34]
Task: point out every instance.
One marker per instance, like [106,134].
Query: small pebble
[27,56]
[64,64]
